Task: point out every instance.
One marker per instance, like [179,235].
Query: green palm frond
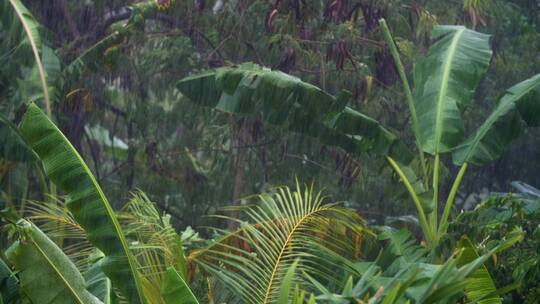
[57,222]
[157,246]
[284,226]
[154,241]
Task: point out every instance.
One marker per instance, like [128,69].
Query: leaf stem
[434,213]
[408,94]
[451,199]
[428,233]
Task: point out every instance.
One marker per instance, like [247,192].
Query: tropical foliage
[134,135]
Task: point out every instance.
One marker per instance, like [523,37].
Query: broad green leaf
[47,275]
[479,283]
[175,290]
[86,201]
[283,100]
[519,107]
[445,81]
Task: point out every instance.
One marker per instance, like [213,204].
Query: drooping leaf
[445,81]
[86,200]
[517,109]
[283,100]
[175,290]
[46,273]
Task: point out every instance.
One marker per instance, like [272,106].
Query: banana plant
[444,84]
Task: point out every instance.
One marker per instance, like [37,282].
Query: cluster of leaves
[494,218]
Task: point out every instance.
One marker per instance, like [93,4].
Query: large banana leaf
[284,100]
[519,107]
[47,275]
[86,200]
[445,81]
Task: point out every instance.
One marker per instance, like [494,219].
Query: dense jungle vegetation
[269,151]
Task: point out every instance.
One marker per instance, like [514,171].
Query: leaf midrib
[285,244]
[105,204]
[444,87]
[56,271]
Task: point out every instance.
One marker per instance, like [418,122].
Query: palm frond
[156,244]
[284,226]
[57,222]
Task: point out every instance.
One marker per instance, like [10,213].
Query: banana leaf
[445,81]
[47,275]
[175,290]
[283,100]
[85,199]
[517,109]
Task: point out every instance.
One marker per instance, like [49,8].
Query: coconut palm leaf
[479,283]
[285,226]
[517,109]
[86,200]
[59,224]
[283,100]
[158,246]
[46,274]
[445,81]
